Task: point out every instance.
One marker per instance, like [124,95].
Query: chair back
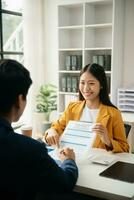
[127,129]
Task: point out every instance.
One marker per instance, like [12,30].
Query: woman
[95,106]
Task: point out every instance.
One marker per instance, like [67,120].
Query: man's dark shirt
[26,168]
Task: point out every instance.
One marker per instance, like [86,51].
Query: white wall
[50,46]
[33,50]
[128,74]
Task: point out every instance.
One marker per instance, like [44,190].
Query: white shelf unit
[126,100]
[98,37]
[90,28]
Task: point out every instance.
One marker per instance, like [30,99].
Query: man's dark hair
[14,80]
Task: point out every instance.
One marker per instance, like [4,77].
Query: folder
[79,62]
[74,84]
[74,62]
[63,84]
[68,63]
[69,84]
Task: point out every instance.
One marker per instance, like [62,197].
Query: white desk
[90,183]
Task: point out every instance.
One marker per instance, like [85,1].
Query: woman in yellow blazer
[94,106]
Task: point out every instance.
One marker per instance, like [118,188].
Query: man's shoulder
[27,144]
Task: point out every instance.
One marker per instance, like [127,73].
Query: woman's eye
[82,83]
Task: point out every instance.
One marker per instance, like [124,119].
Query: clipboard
[120,171]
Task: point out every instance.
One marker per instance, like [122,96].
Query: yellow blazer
[108,116]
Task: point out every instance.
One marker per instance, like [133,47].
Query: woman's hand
[66,153]
[102,132]
[52,137]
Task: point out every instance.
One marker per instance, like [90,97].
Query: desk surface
[90,182]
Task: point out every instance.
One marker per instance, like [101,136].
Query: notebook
[121,171]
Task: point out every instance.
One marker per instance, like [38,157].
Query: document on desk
[79,136]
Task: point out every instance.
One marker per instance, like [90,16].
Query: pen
[58,145]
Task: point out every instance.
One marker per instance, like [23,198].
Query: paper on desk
[79,136]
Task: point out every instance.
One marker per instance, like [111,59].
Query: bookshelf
[89,31]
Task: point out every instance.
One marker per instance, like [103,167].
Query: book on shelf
[68,63]
[108,83]
[63,84]
[79,62]
[107,62]
[74,62]
[99,59]
[95,59]
[69,84]
[103,60]
[74,84]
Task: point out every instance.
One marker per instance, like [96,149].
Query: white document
[79,136]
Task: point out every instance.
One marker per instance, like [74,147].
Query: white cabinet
[89,31]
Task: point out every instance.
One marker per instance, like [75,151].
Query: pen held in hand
[62,151]
[58,145]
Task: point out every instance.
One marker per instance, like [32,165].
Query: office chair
[127,129]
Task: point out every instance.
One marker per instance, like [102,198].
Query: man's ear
[19,101]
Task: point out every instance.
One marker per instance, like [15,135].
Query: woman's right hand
[52,137]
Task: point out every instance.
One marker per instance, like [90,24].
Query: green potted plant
[46,102]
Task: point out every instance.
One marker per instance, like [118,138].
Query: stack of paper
[79,136]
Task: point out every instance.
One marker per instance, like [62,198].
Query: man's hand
[66,153]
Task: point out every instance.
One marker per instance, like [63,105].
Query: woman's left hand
[103,133]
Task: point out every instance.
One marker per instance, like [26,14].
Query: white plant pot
[39,121]
[44,126]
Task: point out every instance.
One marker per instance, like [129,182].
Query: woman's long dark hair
[98,72]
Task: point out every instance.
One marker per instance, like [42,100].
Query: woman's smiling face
[89,86]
